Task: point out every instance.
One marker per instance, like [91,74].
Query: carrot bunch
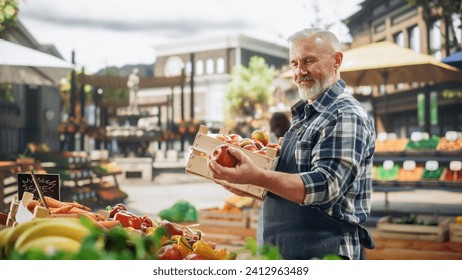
[59,208]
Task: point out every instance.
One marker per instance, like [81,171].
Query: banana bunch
[46,234]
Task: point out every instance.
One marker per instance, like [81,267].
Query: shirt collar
[324,100]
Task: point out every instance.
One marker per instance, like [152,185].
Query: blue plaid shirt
[334,156]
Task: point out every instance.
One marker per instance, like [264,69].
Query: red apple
[222,137]
[223,157]
[260,135]
[235,137]
[169,252]
[275,146]
[245,141]
[258,144]
[251,147]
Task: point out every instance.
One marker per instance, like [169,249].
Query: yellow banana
[18,230]
[4,234]
[50,244]
[53,227]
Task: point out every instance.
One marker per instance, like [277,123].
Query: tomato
[194,256]
[172,229]
[169,252]
[128,219]
[117,208]
[146,222]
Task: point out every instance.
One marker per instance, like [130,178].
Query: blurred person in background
[319,196]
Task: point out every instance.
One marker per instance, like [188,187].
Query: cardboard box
[202,149]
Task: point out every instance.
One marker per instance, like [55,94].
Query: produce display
[432,174]
[424,144]
[392,145]
[71,231]
[410,175]
[451,176]
[446,145]
[387,174]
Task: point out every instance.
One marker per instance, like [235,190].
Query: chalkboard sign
[48,182]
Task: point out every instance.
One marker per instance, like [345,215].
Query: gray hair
[321,35]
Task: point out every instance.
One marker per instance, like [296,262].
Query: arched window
[220,65]
[209,66]
[199,67]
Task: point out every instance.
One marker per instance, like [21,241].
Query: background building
[208,64]
[429,30]
[34,112]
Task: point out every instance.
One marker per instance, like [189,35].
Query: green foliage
[249,88]
[8,15]
[265,252]
[6,93]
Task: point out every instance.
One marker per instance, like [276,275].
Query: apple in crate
[260,135]
[223,157]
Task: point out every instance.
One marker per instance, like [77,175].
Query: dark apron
[301,232]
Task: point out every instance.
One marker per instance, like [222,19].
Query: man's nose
[300,71]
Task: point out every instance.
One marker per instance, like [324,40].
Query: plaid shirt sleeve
[335,157]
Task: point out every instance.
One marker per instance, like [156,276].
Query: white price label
[409,165]
[392,136]
[416,136]
[388,165]
[431,165]
[451,135]
[382,136]
[455,165]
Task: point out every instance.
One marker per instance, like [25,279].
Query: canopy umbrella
[22,65]
[454,59]
[387,63]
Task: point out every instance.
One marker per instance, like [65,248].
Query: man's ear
[338,59]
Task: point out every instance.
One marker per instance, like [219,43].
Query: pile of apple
[257,143]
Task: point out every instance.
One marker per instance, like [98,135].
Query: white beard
[309,93]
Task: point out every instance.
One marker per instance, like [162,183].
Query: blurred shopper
[319,197]
[279,125]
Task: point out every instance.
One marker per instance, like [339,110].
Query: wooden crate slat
[455,232]
[439,233]
[221,218]
[406,254]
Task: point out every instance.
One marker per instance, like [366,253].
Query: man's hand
[244,172]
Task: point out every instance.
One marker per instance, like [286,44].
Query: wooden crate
[226,235]
[254,218]
[455,232]
[202,149]
[438,233]
[401,249]
[218,217]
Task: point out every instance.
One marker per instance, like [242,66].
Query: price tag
[431,165]
[455,165]
[409,165]
[388,165]
[392,136]
[382,136]
[418,136]
[451,135]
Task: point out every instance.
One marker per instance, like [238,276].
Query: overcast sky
[115,32]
